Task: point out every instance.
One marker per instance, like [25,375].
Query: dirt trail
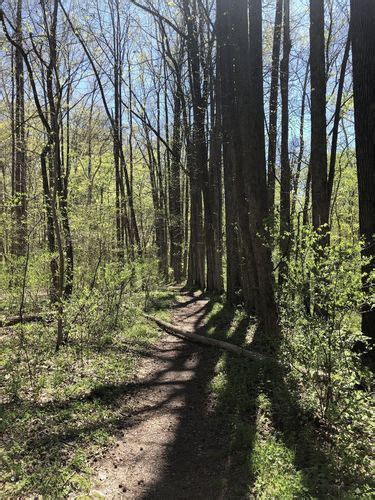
[169,449]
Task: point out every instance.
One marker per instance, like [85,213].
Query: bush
[320,306]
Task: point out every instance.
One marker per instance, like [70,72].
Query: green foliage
[321,325]
[60,410]
[278,438]
[241,399]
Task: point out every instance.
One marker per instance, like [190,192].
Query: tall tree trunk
[240,138]
[185,256]
[157,203]
[301,151]
[214,261]
[337,117]
[119,182]
[363,42]
[285,177]
[56,174]
[48,200]
[319,182]
[161,210]
[89,149]
[68,290]
[225,75]
[306,204]
[197,156]
[255,161]
[196,265]
[273,107]
[175,214]
[19,244]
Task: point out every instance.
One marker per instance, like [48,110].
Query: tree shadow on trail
[199,464]
[212,452]
[58,428]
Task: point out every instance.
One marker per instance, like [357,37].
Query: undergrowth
[279,448]
[60,410]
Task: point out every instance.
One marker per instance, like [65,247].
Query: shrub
[320,306]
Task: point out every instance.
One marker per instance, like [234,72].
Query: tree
[249,158]
[175,202]
[272,140]
[197,151]
[319,181]
[214,188]
[285,184]
[229,137]
[19,176]
[363,44]
[257,187]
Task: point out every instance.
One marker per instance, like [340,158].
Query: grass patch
[160,303]
[59,411]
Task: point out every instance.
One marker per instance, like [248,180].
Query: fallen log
[201,339]
[26,318]
[227,346]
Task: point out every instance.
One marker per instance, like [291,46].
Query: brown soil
[169,448]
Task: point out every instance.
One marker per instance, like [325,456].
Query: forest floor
[209,425]
[142,414]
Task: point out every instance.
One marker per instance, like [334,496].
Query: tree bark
[197,156]
[175,207]
[240,139]
[19,188]
[301,143]
[363,43]
[214,188]
[230,139]
[272,141]
[267,307]
[285,177]
[319,183]
[249,79]
[337,117]
[201,339]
